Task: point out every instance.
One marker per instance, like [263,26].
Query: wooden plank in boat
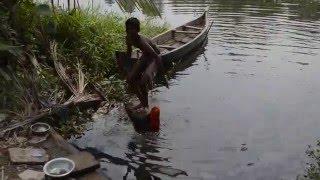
[177,44]
[187,32]
[187,39]
[166,46]
[193,27]
[184,39]
[170,42]
[163,50]
[178,40]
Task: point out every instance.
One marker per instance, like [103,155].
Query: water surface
[244,106]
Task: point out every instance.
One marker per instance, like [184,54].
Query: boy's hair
[133,22]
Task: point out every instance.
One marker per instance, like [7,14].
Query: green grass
[84,36]
[93,38]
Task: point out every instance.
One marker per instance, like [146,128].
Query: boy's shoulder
[145,39]
[142,37]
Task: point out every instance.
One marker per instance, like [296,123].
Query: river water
[242,107]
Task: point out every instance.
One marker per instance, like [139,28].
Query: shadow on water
[175,69]
[188,60]
[137,160]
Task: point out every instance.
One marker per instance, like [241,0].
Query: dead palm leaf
[81,80]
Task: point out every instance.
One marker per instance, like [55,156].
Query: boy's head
[132,26]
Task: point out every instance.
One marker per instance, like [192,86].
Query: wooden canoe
[173,44]
[178,42]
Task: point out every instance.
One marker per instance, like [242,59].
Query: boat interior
[177,37]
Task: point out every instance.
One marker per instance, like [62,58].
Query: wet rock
[84,162]
[31,175]
[28,155]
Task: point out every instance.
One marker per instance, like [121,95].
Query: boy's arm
[129,47]
[146,48]
[149,50]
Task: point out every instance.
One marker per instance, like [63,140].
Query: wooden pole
[68,5]
[52,4]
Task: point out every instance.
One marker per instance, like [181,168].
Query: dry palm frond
[5,75]
[81,80]
[64,77]
[75,89]
[35,62]
[87,98]
[60,69]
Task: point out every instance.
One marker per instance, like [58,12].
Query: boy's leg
[135,80]
[135,88]
[137,69]
[146,82]
[144,96]
[149,74]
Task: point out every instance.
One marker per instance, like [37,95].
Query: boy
[144,70]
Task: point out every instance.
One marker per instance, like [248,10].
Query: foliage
[90,38]
[313,168]
[86,39]
[93,38]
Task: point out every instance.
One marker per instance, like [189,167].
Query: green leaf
[44,9]
[5,47]
[14,50]
[51,27]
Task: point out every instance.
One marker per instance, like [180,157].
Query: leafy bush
[93,39]
[84,36]
[313,168]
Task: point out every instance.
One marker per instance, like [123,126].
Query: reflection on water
[148,7]
[113,141]
[254,82]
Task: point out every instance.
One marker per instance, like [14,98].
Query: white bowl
[59,167]
[40,128]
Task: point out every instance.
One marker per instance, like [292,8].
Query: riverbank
[58,65]
[51,145]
